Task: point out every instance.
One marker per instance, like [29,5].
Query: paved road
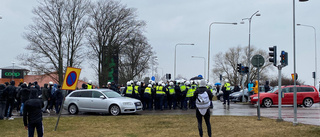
[304,115]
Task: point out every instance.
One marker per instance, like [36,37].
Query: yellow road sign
[71,78]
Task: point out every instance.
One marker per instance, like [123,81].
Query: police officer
[172,101]
[147,97]
[89,85]
[185,89]
[137,90]
[128,90]
[226,93]
[160,93]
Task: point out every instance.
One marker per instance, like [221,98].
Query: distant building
[19,74]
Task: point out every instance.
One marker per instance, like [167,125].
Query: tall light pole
[249,50]
[204,62]
[315,51]
[175,52]
[295,122]
[153,58]
[209,44]
[12,71]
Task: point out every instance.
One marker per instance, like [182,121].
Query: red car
[306,96]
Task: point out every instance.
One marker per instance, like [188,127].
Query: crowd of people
[14,97]
[163,95]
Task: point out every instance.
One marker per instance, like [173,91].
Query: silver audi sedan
[100,100]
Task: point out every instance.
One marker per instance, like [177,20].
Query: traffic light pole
[279,93]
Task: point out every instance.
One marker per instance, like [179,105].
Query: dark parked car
[237,96]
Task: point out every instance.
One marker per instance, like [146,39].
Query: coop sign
[10,73]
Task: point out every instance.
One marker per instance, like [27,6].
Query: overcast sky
[187,21]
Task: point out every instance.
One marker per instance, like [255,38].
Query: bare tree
[110,26]
[226,64]
[135,58]
[56,36]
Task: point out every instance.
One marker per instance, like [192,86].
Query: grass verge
[160,126]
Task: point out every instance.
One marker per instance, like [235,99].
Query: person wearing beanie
[203,97]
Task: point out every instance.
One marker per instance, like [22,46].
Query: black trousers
[226,97]
[206,119]
[37,126]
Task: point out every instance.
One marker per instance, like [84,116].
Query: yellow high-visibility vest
[227,85]
[129,90]
[159,90]
[89,86]
[147,90]
[191,90]
[136,89]
[171,90]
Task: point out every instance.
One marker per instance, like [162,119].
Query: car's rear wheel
[73,109]
[267,102]
[114,110]
[307,102]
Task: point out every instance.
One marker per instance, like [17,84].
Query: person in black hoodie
[24,95]
[32,116]
[59,97]
[11,90]
[203,109]
[3,98]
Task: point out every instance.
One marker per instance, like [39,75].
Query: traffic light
[239,68]
[273,55]
[246,70]
[284,58]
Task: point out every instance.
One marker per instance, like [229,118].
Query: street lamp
[295,122]
[12,71]
[209,43]
[315,50]
[153,59]
[175,52]
[204,62]
[249,50]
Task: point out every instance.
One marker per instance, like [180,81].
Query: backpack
[203,101]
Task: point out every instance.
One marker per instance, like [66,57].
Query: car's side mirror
[102,97]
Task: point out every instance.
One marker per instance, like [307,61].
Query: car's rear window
[81,94]
[305,89]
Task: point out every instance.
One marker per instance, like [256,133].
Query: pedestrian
[203,97]
[45,97]
[24,95]
[267,87]
[226,93]
[3,99]
[218,89]
[236,88]
[250,88]
[32,116]
[184,90]
[59,97]
[11,90]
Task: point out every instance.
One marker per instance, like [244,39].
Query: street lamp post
[315,51]
[153,58]
[204,62]
[175,52]
[209,44]
[295,122]
[13,71]
[249,50]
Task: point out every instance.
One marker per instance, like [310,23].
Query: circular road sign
[71,78]
[257,61]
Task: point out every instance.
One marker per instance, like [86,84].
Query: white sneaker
[10,118]
[48,110]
